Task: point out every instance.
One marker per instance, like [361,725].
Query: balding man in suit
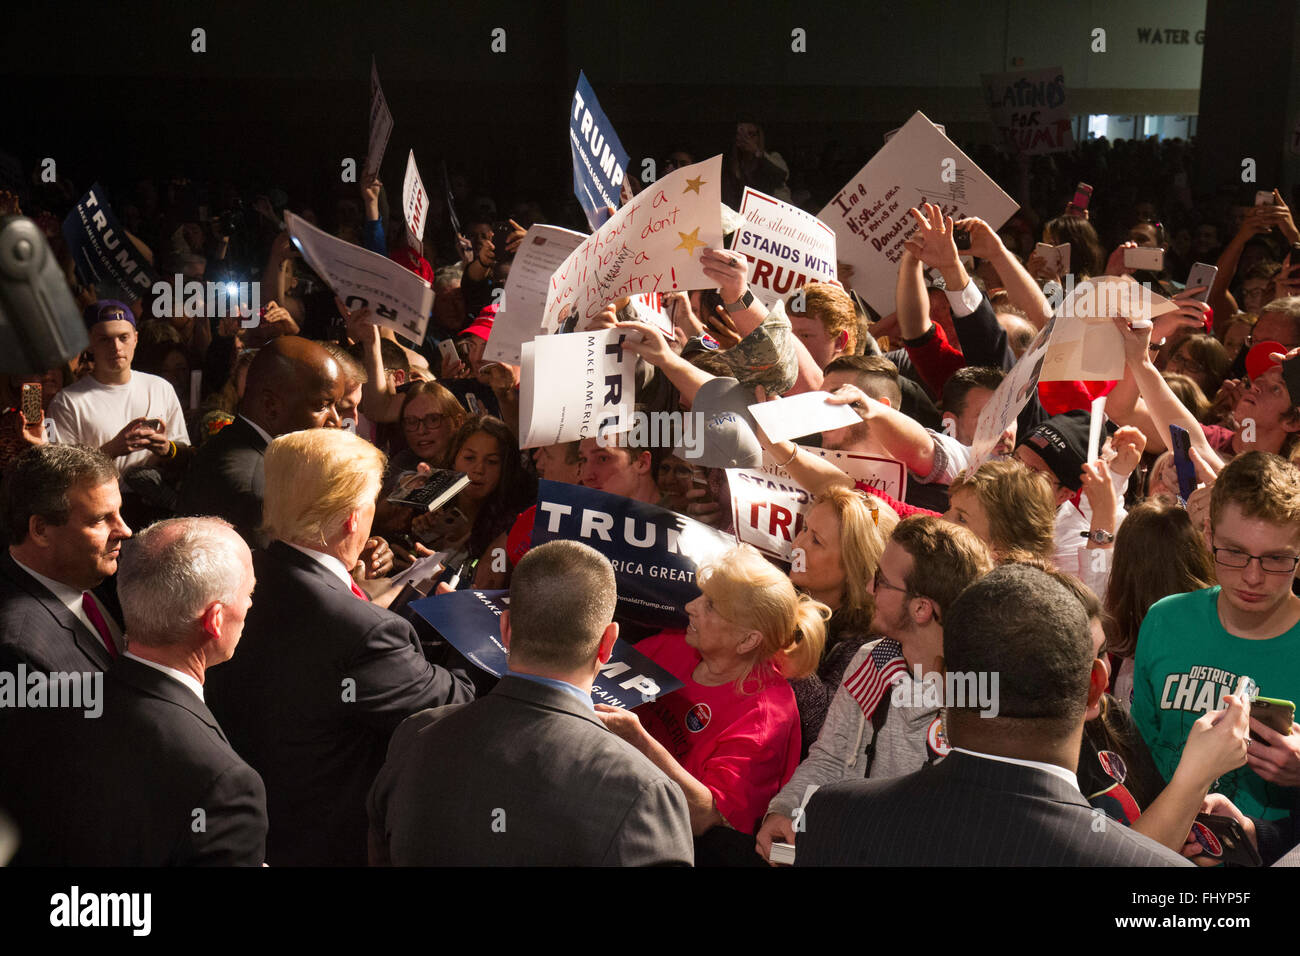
[528,775]
[292,384]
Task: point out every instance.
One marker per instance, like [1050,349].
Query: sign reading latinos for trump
[655,552]
[575,386]
[883,474]
[599,159]
[415,203]
[397,298]
[381,125]
[519,320]
[786,247]
[767,511]
[1028,108]
[102,252]
[870,214]
[471,622]
[652,244]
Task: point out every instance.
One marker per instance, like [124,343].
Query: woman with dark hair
[750,164]
[499,489]
[429,418]
[1087,258]
[1157,552]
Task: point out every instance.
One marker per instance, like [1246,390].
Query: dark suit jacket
[318,684]
[125,788]
[36,628]
[226,478]
[523,776]
[967,811]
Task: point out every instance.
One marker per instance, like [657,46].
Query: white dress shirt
[171,672]
[327,561]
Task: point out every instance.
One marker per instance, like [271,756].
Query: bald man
[293,384]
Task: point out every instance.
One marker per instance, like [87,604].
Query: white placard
[1057,258]
[415,201]
[883,474]
[652,244]
[786,247]
[397,298]
[870,214]
[649,308]
[542,251]
[1009,397]
[1029,110]
[575,386]
[1085,345]
[381,125]
[767,510]
[803,414]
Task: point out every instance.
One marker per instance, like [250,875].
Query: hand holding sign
[728,270]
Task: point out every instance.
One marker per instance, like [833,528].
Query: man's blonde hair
[315,479]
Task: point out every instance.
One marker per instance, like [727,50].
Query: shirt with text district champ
[89,413]
[1186,664]
[743,747]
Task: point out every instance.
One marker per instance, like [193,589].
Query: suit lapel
[88,642]
[165,687]
[966,770]
[290,555]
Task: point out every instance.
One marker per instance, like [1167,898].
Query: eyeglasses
[427,423]
[879,582]
[1268,563]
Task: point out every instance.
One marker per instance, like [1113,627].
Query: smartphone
[1079,204]
[1264,197]
[1202,274]
[449,354]
[1180,446]
[500,234]
[31,403]
[1223,839]
[961,237]
[1144,259]
[1274,713]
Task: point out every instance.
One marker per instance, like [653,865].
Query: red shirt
[743,747]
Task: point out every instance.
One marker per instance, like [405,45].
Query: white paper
[803,414]
[767,510]
[649,309]
[1095,427]
[422,569]
[1057,258]
[542,251]
[652,244]
[381,125]
[575,386]
[1085,345]
[415,202]
[786,247]
[870,214]
[398,299]
[883,474]
[1010,397]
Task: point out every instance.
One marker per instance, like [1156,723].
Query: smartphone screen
[1182,461]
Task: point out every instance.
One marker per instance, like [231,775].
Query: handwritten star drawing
[693,185]
[690,240]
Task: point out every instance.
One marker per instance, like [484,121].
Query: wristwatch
[1099,536]
[741,304]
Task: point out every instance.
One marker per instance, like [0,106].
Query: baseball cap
[105,310]
[1257,359]
[482,325]
[1062,442]
[728,440]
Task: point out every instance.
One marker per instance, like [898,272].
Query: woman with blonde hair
[730,736]
[1009,507]
[834,561]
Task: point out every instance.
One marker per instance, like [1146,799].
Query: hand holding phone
[1144,258]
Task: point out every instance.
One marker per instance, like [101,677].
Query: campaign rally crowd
[1043,645]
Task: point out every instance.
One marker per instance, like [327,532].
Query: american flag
[869,682]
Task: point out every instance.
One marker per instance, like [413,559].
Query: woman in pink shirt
[730,737]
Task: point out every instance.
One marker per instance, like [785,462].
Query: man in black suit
[292,384]
[528,775]
[150,780]
[1006,795]
[323,677]
[65,530]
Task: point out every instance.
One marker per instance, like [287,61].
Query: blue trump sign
[599,160]
[104,256]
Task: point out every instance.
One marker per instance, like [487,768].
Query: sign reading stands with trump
[471,622]
[652,244]
[655,552]
[870,214]
[397,298]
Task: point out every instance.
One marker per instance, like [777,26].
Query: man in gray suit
[528,775]
[1006,795]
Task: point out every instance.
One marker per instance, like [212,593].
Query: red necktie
[357,591]
[96,618]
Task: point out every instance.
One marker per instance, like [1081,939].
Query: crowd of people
[206,518]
